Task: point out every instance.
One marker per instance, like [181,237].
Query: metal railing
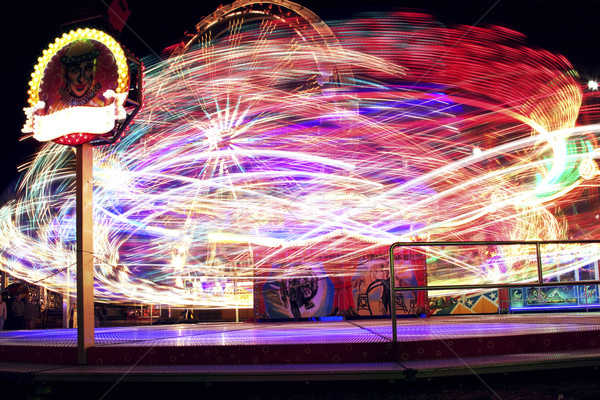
[499,285]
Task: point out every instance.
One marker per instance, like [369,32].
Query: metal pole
[66,306]
[85,251]
[538,255]
[393,298]
[585,292]
[237,311]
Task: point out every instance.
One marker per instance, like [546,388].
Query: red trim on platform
[307,353]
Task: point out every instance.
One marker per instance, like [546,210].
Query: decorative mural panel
[467,303]
[568,296]
[359,290]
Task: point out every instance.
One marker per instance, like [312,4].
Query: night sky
[569,27]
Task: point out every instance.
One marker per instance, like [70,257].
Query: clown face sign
[78,89]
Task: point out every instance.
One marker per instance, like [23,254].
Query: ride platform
[309,350]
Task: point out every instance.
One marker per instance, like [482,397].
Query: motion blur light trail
[284,141]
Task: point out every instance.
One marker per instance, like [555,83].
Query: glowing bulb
[593,85]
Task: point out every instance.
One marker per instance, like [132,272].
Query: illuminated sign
[78,90]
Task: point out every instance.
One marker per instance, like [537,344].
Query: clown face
[79,77]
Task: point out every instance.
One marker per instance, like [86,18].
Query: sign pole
[94,72]
[85,251]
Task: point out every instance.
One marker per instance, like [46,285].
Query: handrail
[540,282]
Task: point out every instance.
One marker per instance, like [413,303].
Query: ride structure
[274,147]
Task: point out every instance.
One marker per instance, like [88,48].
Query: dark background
[568,27]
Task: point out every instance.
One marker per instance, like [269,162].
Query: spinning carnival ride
[271,142]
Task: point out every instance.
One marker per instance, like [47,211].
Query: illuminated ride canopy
[274,139]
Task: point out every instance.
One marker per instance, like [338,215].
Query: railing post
[538,254]
[393,298]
